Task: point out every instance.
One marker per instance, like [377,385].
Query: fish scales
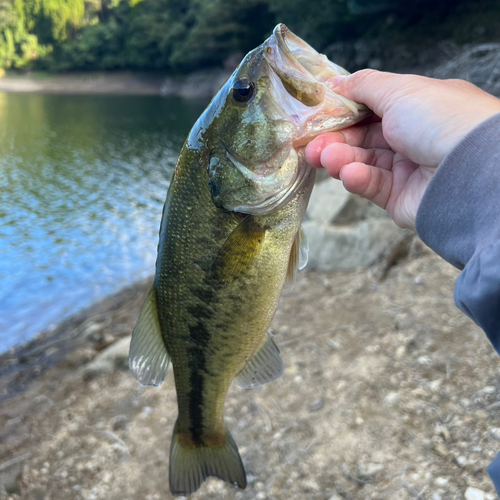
[230,237]
[212,332]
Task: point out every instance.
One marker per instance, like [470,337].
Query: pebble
[119,422]
[311,486]
[441,481]
[481,415]
[489,389]
[391,398]
[334,345]
[369,470]
[435,384]
[215,486]
[495,432]
[317,405]
[441,449]
[424,360]
[400,351]
[461,460]
[146,412]
[112,358]
[107,477]
[474,494]
[335,497]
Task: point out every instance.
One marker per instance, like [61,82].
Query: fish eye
[243,90]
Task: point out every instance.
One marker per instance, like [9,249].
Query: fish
[230,237]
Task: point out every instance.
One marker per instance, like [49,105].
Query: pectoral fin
[148,358]
[265,366]
[240,249]
[298,256]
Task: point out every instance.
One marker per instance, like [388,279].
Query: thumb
[369,87]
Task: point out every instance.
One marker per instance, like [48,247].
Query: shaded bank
[197,85]
[474,62]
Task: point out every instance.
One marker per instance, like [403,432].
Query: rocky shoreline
[389,393]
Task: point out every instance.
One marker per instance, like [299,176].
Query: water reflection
[82,182]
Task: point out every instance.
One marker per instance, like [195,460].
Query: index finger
[366,136]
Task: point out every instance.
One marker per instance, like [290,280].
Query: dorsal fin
[265,366]
[148,357]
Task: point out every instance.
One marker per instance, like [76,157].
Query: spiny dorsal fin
[148,357]
[299,255]
[191,464]
[265,366]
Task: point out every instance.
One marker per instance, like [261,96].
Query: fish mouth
[305,74]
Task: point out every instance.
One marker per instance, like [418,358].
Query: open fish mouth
[305,76]
[296,103]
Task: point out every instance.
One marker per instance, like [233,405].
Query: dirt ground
[389,393]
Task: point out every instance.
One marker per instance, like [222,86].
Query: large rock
[348,247]
[10,474]
[331,203]
[327,200]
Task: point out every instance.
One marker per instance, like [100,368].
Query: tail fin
[191,464]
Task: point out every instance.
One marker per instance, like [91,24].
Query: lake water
[82,184]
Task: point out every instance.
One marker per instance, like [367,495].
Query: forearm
[459,218]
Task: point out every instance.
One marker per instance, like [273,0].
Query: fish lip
[285,50]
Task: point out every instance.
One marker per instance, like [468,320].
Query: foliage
[181,35]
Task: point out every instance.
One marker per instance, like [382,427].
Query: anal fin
[265,366]
[148,357]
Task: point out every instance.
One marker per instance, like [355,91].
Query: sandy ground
[389,393]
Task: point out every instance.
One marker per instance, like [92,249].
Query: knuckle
[361,77]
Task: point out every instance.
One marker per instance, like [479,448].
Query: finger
[368,181]
[366,136]
[371,87]
[336,155]
[317,145]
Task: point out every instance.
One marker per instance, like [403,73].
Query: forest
[178,36]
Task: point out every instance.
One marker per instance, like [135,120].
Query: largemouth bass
[230,235]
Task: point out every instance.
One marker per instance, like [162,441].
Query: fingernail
[336,80]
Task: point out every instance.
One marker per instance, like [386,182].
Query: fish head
[276,101]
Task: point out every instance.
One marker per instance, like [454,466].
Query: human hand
[391,159]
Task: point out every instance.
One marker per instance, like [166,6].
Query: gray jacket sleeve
[459,218]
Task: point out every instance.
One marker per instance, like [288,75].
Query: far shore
[201,84]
